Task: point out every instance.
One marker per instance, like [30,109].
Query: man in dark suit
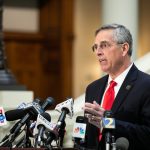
[131,106]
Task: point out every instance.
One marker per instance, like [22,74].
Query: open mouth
[102,60]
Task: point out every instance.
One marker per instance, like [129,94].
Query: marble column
[123,12]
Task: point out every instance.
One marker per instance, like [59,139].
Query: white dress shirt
[119,80]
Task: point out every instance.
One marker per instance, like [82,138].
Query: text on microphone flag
[108,123]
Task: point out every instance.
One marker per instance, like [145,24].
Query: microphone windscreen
[122,143]
[16,114]
[108,113]
[80,119]
[48,102]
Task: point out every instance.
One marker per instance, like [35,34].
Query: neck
[120,70]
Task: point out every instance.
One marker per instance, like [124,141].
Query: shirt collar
[119,80]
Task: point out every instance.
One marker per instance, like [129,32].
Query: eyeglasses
[104,45]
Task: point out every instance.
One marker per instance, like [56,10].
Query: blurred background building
[48,42]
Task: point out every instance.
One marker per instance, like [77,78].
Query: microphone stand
[27,137]
[108,140]
[62,134]
[110,143]
[8,139]
[6,143]
[113,144]
[10,132]
[25,141]
[21,143]
[109,125]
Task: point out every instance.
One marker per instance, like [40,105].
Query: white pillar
[122,12]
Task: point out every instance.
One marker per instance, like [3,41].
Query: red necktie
[108,99]
[109,96]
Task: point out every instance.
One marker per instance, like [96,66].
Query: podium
[6,148]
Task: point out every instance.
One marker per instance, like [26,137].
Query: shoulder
[144,77]
[136,73]
[98,82]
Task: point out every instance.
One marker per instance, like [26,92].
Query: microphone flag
[48,125]
[2,117]
[108,123]
[79,130]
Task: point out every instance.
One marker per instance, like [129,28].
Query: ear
[125,48]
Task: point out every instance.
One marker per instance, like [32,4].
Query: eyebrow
[102,42]
[105,42]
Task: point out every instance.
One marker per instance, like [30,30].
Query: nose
[99,51]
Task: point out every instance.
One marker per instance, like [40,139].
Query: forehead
[104,35]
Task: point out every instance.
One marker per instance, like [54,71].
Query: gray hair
[120,34]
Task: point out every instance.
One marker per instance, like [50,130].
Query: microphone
[108,125]
[122,143]
[20,112]
[40,125]
[79,132]
[16,114]
[65,108]
[32,111]
[48,102]
[34,107]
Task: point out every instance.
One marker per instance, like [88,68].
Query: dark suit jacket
[131,110]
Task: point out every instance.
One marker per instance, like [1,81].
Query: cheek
[114,58]
[118,59]
[111,58]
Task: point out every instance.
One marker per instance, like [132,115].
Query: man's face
[109,53]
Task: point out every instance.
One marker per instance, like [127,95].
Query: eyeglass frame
[106,45]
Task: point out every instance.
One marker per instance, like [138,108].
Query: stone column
[123,12]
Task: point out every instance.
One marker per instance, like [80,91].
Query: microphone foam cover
[122,143]
[16,114]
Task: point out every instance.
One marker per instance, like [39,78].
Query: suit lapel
[101,88]
[125,88]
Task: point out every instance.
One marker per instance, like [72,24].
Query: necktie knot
[112,84]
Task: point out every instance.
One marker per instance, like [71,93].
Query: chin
[105,69]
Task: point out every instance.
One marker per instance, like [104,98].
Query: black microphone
[31,111]
[47,103]
[108,125]
[20,112]
[16,114]
[79,132]
[65,108]
[41,127]
[122,143]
